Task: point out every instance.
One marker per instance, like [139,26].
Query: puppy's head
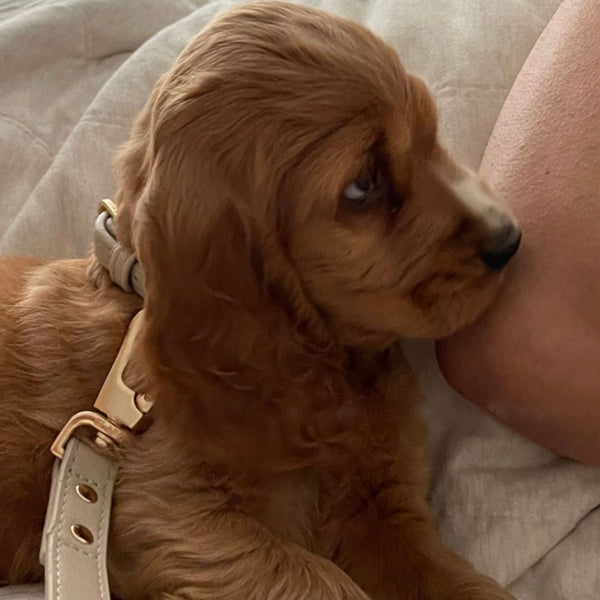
[288,155]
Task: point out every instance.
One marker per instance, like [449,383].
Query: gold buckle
[106,204]
[116,400]
[107,433]
[119,406]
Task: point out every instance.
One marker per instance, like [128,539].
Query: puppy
[295,217]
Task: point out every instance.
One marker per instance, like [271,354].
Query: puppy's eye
[360,193]
[356,191]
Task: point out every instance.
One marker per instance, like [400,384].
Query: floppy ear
[205,231]
[202,261]
[217,285]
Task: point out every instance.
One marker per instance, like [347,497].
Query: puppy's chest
[307,508]
[287,506]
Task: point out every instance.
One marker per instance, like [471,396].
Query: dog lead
[75,536]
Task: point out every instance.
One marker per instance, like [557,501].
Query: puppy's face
[389,234]
[305,131]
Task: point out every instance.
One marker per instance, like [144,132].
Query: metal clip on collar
[119,408]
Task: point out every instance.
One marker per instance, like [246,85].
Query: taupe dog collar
[121,263]
[75,534]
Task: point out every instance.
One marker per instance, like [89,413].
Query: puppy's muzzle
[499,236]
[502,247]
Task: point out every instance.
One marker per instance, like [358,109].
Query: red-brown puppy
[295,217]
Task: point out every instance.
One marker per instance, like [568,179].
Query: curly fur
[284,457]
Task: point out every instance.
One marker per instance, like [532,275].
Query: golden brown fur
[285,458]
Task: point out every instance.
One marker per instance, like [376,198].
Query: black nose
[503,247]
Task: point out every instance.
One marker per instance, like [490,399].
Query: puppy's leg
[179,532]
[380,531]
[378,527]
[392,550]
[224,556]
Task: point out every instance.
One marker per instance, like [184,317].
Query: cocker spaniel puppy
[295,217]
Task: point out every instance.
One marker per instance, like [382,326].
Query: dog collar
[122,265]
[118,409]
[75,536]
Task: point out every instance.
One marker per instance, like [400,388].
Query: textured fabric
[75,72]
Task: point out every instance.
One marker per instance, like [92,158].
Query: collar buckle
[115,400]
[107,434]
[106,204]
[118,408]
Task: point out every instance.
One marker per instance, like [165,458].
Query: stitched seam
[79,550]
[59,543]
[106,500]
[61,546]
[85,479]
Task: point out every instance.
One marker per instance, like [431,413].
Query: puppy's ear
[199,228]
[202,266]
[199,206]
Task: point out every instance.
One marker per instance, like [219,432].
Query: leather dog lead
[76,529]
[75,537]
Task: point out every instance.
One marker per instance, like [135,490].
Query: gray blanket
[73,73]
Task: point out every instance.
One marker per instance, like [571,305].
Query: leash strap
[76,529]
[75,536]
